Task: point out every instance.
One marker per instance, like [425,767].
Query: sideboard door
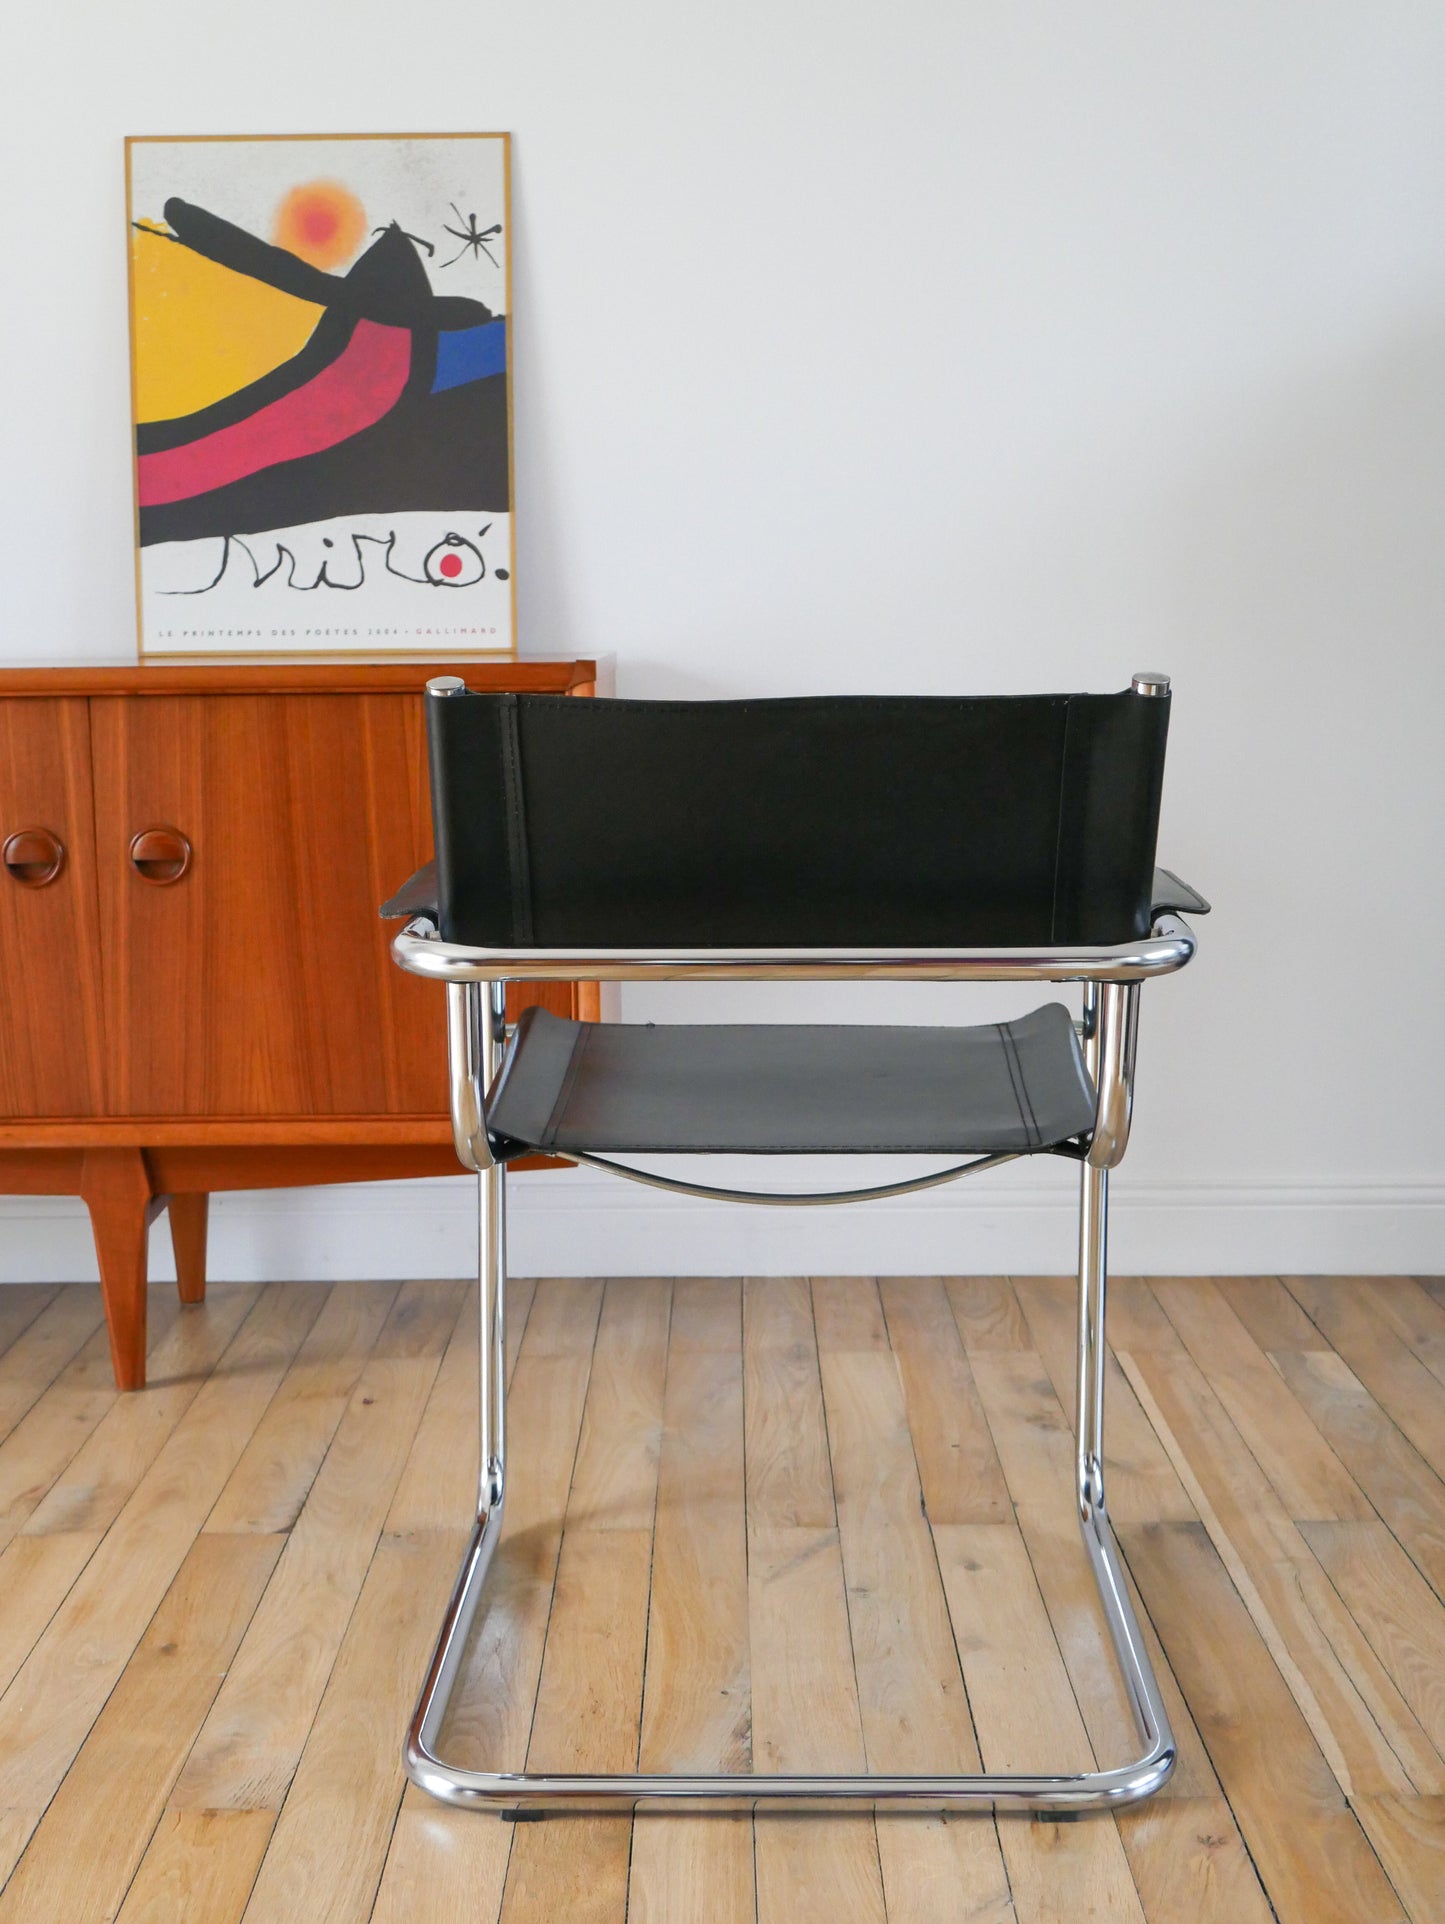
[50,1009]
[246,968]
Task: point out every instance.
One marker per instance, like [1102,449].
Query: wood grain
[281,677]
[1409,1835]
[116,1789]
[1026,1716]
[1400,1615]
[20,1304]
[1340,1307]
[35,1358]
[1314,1860]
[1405,1490]
[697,1706]
[1143,1484]
[804,1696]
[100,1477]
[48,1436]
[268,1487]
[62,1685]
[491,1717]
[246,1755]
[790,1482]
[788,1433]
[1357,1715]
[200,1864]
[958,1466]
[325,1858]
[194,1036]
[1311,1480]
[51,1028]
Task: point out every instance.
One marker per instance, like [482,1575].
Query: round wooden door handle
[160,855]
[34,857]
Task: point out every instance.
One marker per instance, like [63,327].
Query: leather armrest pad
[1170,893]
[418,896]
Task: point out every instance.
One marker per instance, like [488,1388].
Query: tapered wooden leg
[117,1191]
[188,1239]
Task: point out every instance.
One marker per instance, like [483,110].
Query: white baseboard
[584,1224]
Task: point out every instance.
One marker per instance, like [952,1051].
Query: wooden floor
[768,1525]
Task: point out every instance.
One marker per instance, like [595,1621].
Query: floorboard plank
[200,1866]
[958,1467]
[1403,1488]
[696,1712]
[247,1752]
[1028,1719]
[20,1304]
[114,1792]
[59,1690]
[1397,1611]
[1271,1315]
[988,1313]
[1311,1481]
[1358,1716]
[46,1439]
[614,1481]
[697,1703]
[325,1858]
[1409,1834]
[41,1351]
[804,1695]
[789,1480]
[1340,1307]
[1143,1484]
[1190,1865]
[36,1576]
[1313,1858]
[848,1314]
[589,1700]
[690,1870]
[278,1466]
[1414,1315]
[910,1689]
[92,1490]
[1034,1437]
[491,1716]
[444,1866]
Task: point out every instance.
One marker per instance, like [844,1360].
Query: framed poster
[321,395]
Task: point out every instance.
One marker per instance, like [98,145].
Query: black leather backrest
[825,821]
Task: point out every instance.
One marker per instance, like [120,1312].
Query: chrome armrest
[1169,946]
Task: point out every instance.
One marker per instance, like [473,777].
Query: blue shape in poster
[466,354]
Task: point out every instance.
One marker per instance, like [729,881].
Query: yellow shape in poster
[203,331]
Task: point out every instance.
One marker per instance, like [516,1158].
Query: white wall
[936,347]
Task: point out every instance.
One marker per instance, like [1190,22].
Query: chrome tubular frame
[792,1198]
[1170,944]
[476,980]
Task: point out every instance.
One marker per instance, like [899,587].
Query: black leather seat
[775,1090]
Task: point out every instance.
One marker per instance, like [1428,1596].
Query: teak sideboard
[197,993]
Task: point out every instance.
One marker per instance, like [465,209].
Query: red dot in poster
[450,565]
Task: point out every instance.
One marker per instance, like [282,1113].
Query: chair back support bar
[925,821]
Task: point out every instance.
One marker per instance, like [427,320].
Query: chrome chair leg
[1074,1791]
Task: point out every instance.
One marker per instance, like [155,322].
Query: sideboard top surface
[292,677]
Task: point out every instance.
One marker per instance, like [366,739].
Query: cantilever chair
[939,840]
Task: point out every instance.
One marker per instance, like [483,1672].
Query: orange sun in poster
[322,221]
